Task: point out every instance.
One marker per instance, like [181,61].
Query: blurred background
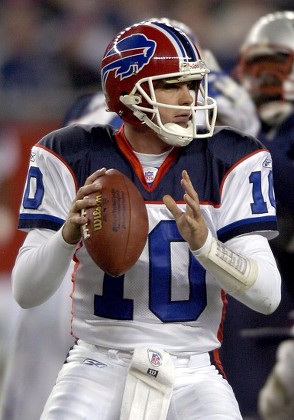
[50,53]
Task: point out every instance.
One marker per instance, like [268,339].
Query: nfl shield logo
[155,358]
[150,174]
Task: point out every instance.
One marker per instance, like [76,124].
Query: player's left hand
[191,223]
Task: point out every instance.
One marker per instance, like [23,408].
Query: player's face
[181,94]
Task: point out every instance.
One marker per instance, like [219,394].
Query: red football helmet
[150,51]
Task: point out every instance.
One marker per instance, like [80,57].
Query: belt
[194,360]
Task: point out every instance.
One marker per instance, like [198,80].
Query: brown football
[117,227]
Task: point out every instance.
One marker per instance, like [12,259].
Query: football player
[236,109]
[266,71]
[147,342]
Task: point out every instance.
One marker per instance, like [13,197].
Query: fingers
[190,222]
[83,204]
[188,187]
[95,175]
[172,206]
[77,215]
[190,196]
[83,199]
[91,185]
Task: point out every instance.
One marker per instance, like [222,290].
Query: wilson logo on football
[97,218]
[97,213]
[136,51]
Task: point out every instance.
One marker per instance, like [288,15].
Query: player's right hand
[71,231]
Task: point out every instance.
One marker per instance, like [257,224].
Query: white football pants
[90,386]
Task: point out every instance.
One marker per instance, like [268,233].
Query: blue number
[160,278]
[34,202]
[259,205]
[112,304]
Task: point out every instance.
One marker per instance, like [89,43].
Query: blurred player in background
[124,333]
[266,71]
[276,398]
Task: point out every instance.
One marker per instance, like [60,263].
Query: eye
[192,85]
[162,84]
[171,86]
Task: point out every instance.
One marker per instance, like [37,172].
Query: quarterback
[147,341]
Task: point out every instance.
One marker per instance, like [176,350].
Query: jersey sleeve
[247,198]
[49,190]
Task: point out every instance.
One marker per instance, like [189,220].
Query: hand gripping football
[117,227]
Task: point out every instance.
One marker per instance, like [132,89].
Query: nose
[186,96]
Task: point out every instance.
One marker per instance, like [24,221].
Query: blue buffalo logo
[135,52]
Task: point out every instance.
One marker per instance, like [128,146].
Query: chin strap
[172,134]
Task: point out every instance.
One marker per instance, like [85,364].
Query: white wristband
[234,272]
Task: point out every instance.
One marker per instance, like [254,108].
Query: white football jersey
[167,297]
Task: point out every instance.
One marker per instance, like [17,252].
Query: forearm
[40,267]
[248,273]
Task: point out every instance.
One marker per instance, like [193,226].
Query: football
[117,227]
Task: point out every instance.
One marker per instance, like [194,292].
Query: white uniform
[50,352]
[167,300]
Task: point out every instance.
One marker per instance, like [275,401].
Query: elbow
[265,306]
[18,292]
[270,306]
[262,297]
[22,292]
[273,300]
[20,299]
[23,299]
[267,291]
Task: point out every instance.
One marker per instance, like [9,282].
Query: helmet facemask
[266,73]
[144,105]
[266,65]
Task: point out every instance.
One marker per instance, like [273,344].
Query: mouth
[182,119]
